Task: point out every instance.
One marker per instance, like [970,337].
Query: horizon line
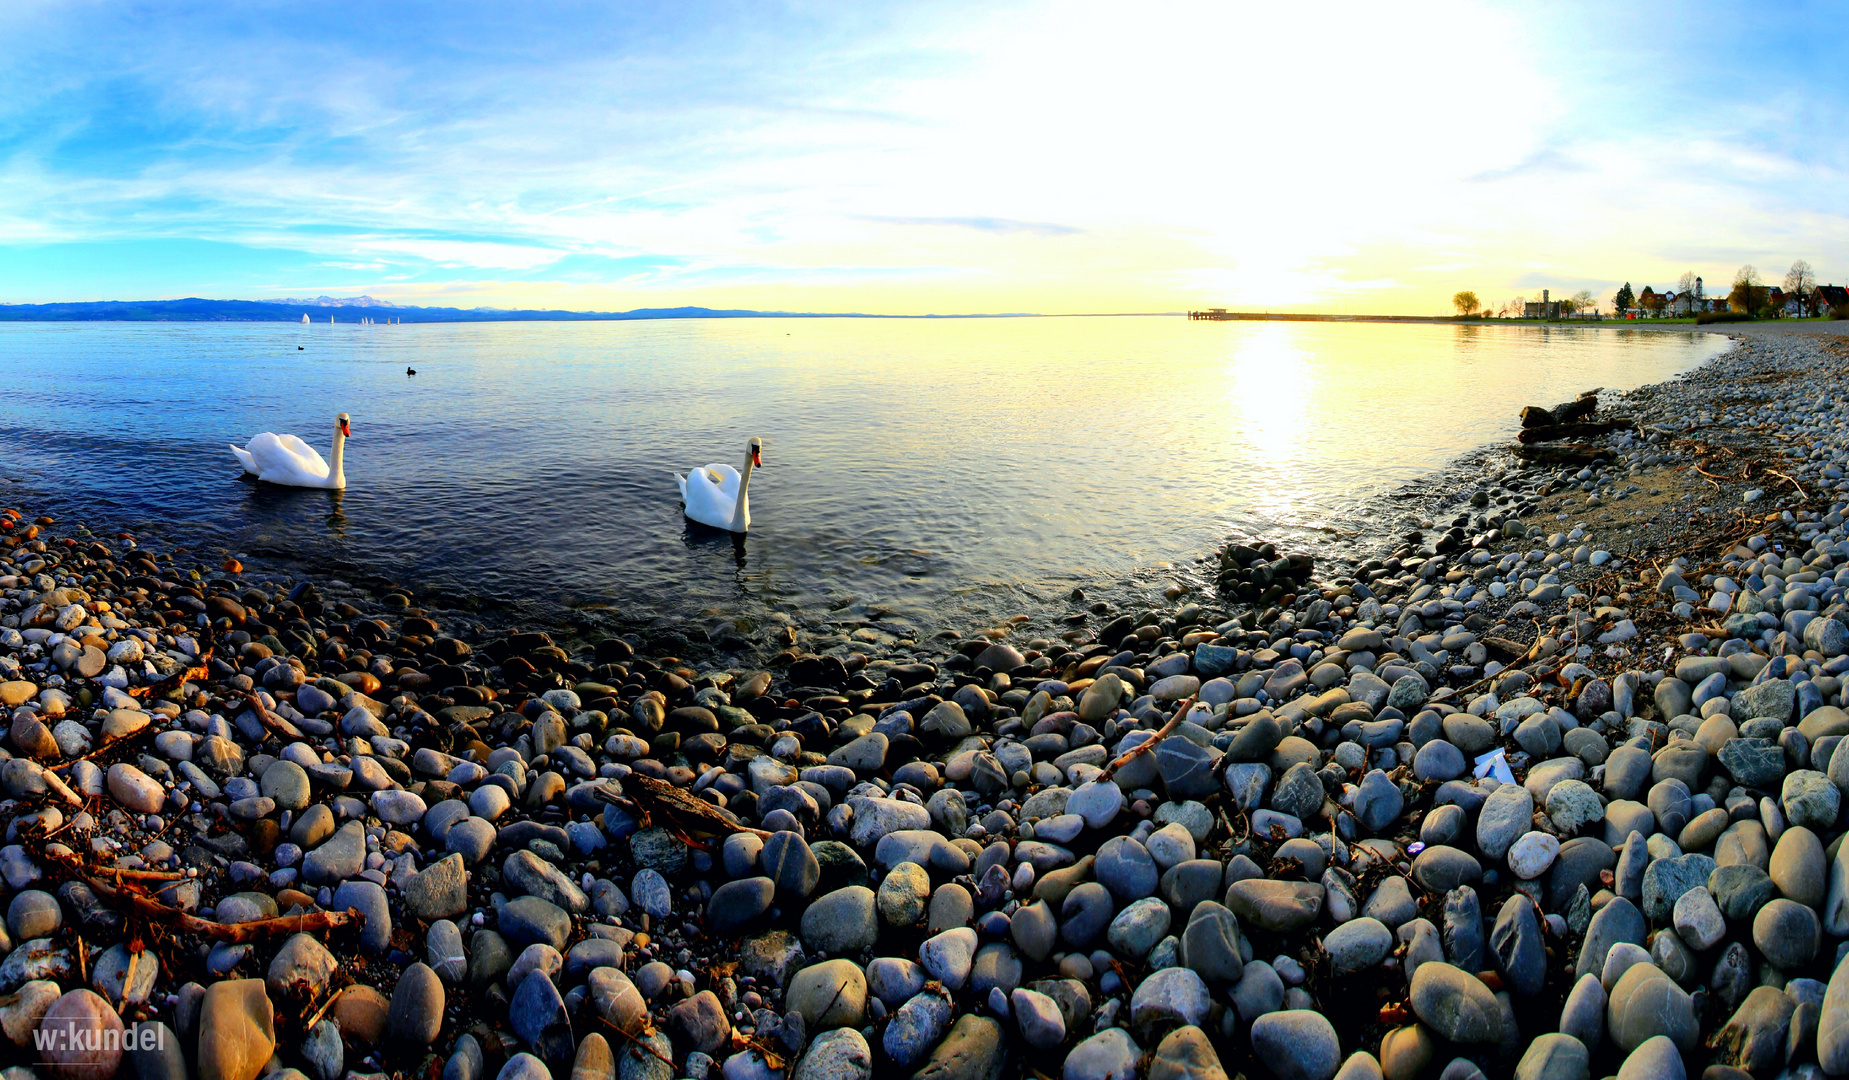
[76,310]
[201,309]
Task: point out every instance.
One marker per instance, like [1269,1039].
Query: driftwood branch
[322,1011]
[1790,481]
[132,902]
[270,720]
[114,746]
[230,933]
[57,786]
[1556,432]
[1575,453]
[1580,408]
[688,816]
[131,874]
[1506,647]
[173,681]
[638,1043]
[1148,744]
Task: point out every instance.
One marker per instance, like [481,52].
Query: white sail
[304,318]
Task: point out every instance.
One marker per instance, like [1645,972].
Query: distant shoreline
[1780,326]
[194,309]
[352,311]
[1283,316]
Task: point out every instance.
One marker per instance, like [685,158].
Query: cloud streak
[982,224]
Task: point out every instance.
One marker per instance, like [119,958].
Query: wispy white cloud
[981,224]
[904,157]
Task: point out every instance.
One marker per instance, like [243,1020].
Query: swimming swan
[718,496]
[287,460]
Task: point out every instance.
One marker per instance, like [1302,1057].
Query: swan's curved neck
[337,473]
[741,510]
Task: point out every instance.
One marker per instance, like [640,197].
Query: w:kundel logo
[63,1040]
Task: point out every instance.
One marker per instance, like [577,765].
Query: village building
[1541,309]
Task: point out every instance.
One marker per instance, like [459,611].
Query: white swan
[287,460]
[718,495]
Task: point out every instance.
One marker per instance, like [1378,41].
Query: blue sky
[913,157]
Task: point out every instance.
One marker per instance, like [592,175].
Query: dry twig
[640,1045]
[322,1011]
[1147,745]
[686,816]
[125,896]
[173,681]
[230,933]
[271,720]
[130,874]
[1790,481]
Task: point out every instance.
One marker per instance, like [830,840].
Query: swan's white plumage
[719,495]
[287,460]
[711,495]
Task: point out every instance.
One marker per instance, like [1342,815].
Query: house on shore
[1688,302]
[1541,309]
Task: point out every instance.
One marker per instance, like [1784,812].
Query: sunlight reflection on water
[954,470]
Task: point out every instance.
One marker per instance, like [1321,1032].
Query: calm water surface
[955,471]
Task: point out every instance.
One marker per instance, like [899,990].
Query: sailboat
[304,318]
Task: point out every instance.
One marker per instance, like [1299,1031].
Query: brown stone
[237,1030]
[264,835]
[361,1012]
[595,1061]
[82,1037]
[33,738]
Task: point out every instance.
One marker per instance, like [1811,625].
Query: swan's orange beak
[346,429]
[757,458]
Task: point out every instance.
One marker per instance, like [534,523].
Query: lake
[951,471]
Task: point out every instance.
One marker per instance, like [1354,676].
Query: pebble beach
[1544,788]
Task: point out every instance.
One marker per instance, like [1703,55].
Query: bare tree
[1746,275]
[1583,300]
[1800,282]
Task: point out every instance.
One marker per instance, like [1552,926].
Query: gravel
[1544,788]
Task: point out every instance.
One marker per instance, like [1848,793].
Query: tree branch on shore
[126,897]
[1147,745]
[271,720]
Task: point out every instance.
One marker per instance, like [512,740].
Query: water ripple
[958,471]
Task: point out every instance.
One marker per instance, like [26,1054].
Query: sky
[911,158]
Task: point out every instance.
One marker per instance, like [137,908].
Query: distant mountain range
[194,309]
[336,301]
